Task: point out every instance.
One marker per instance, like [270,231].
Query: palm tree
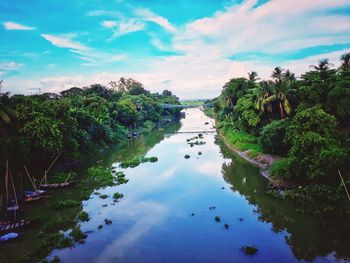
[277,75]
[253,76]
[345,62]
[262,103]
[322,68]
[289,76]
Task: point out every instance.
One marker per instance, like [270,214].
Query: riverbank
[246,148]
[320,200]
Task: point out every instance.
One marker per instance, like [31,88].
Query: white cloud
[109,24]
[269,27]
[124,27]
[9,66]
[148,15]
[84,52]
[65,41]
[15,26]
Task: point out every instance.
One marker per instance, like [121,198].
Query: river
[167,212]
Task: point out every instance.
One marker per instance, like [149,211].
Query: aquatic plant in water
[117,196]
[249,250]
[83,216]
[108,221]
[137,161]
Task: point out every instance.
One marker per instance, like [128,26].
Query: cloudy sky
[191,47]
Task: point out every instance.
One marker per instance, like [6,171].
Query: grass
[242,141]
[209,112]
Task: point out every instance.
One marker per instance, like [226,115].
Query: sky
[191,47]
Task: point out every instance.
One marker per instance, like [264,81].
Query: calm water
[153,223]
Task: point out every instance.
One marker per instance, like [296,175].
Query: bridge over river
[174,106]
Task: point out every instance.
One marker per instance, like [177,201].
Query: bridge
[174,106]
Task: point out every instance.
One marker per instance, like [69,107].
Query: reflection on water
[154,222]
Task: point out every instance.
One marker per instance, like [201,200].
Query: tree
[167,93]
[322,68]
[345,62]
[6,112]
[253,76]
[277,75]
[314,150]
[125,85]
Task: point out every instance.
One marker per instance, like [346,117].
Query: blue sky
[189,47]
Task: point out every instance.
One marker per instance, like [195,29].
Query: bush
[280,168]
[314,152]
[272,137]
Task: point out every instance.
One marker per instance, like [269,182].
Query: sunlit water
[154,221]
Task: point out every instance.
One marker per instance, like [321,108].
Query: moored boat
[55,186]
[9,225]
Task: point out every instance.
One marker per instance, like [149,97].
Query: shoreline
[264,167]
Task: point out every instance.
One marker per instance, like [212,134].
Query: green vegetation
[187,156]
[65,204]
[103,196]
[306,121]
[83,216]
[217,219]
[249,250]
[108,221]
[137,161]
[34,129]
[117,196]
[102,176]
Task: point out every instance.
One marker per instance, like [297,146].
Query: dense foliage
[306,120]
[37,128]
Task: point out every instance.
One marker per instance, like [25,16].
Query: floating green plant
[117,196]
[103,196]
[187,156]
[83,216]
[102,176]
[108,221]
[217,219]
[137,161]
[78,235]
[249,250]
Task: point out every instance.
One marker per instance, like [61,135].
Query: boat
[55,186]
[7,226]
[9,236]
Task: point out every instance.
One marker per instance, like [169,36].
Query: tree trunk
[281,110]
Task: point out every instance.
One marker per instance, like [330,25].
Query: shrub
[280,168]
[272,137]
